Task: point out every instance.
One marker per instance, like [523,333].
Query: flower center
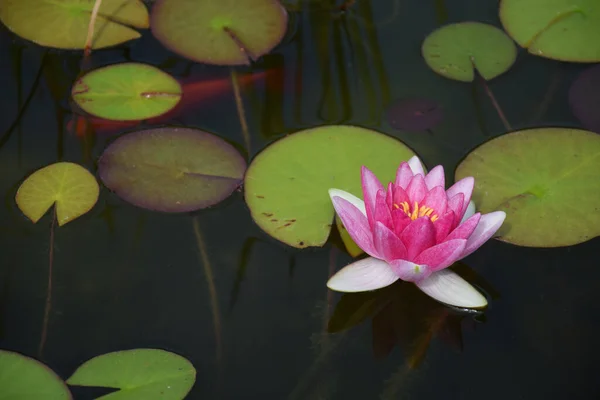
[417,211]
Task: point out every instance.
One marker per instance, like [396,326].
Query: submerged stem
[87,50]
[240,108]
[49,288]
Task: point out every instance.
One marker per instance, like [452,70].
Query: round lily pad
[455,50]
[71,187]
[141,374]
[224,32]
[24,378]
[414,114]
[64,24]
[171,169]
[286,185]
[545,179]
[584,98]
[126,92]
[566,30]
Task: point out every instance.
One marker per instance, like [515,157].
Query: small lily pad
[584,98]
[545,179]
[24,378]
[71,187]
[64,24]
[126,92]
[286,185]
[224,32]
[171,169]
[455,50]
[566,30]
[143,374]
[414,114]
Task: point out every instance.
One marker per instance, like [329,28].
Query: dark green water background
[129,278]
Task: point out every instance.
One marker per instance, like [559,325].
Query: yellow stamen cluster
[417,211]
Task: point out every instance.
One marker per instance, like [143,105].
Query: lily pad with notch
[456,50]
[224,32]
[140,374]
[171,169]
[127,92]
[545,179]
[24,378]
[286,185]
[64,24]
[566,30]
[72,188]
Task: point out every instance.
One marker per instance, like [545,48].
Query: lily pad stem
[48,306]
[240,108]
[87,50]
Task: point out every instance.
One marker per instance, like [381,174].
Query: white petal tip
[361,276]
[355,201]
[449,288]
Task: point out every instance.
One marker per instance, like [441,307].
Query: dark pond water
[252,314]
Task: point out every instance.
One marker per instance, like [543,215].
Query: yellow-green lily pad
[127,92]
[72,188]
[455,50]
[286,185]
[545,179]
[23,378]
[566,30]
[141,374]
[63,24]
[223,32]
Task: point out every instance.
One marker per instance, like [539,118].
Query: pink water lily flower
[413,230]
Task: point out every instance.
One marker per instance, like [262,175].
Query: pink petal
[400,221]
[418,236]
[355,223]
[382,211]
[399,196]
[370,187]
[464,230]
[387,244]
[403,175]
[416,166]
[443,226]
[464,186]
[442,255]
[448,287]
[416,189]
[410,271]
[487,226]
[455,204]
[356,202]
[435,177]
[436,198]
[366,274]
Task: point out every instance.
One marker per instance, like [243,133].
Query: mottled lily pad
[455,50]
[584,98]
[24,378]
[171,169]
[126,92]
[72,188]
[141,374]
[545,179]
[224,32]
[414,114]
[64,24]
[286,185]
[566,30]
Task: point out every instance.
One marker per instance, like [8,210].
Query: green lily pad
[545,179]
[64,24]
[71,187]
[566,30]
[286,185]
[171,169]
[224,32]
[23,378]
[143,374]
[127,92]
[454,50]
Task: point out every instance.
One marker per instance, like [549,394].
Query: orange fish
[193,93]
